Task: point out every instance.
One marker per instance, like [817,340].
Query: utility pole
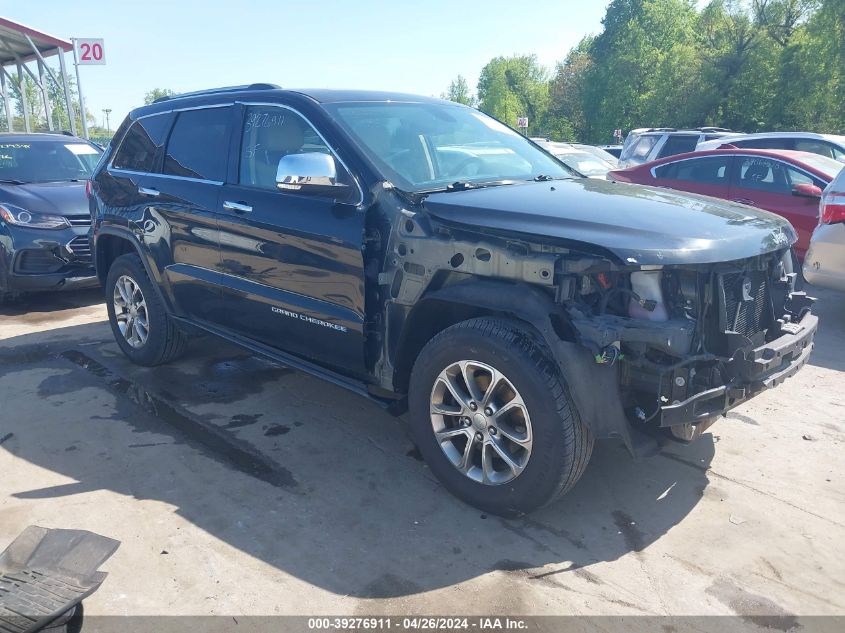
[107,111]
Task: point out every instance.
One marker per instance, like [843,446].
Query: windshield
[827,166]
[423,147]
[46,160]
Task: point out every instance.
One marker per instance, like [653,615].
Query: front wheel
[493,418]
[141,326]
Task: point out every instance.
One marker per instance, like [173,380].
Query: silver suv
[830,145]
[644,145]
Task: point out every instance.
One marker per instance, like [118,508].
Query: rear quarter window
[139,148]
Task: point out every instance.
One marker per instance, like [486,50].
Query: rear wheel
[492,416]
[141,326]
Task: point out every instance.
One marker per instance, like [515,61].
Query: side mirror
[806,190]
[309,172]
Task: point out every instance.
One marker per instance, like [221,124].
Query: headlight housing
[31,219]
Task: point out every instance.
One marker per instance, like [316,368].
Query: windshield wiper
[461,185]
[11,181]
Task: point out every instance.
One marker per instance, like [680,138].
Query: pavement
[238,486]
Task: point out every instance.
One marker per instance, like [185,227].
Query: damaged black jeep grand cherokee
[421,253]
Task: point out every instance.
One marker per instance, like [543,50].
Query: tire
[164,341]
[554,444]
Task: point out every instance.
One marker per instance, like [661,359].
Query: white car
[830,145]
[824,263]
[579,158]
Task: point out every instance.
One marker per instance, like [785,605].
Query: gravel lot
[238,486]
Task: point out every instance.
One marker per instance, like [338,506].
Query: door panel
[767,184]
[708,176]
[295,274]
[185,201]
[293,261]
[186,212]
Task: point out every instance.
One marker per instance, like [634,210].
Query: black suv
[44,216]
[421,253]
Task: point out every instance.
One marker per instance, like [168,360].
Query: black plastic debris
[45,574]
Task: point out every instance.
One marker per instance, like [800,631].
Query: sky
[416,47]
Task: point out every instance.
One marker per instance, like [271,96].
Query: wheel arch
[604,415]
[442,308]
[110,244]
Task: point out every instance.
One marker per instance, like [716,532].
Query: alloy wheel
[481,422]
[130,311]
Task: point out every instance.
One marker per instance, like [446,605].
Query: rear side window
[138,150]
[199,144]
[680,144]
[713,170]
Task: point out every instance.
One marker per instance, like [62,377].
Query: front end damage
[690,342]
[650,352]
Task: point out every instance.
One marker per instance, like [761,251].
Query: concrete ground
[238,486]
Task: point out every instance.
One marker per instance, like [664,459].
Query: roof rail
[223,90]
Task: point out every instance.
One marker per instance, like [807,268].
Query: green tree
[157,93]
[567,118]
[459,92]
[644,67]
[512,87]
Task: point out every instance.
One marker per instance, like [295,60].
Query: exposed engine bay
[682,332]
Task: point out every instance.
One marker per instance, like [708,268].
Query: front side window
[198,146]
[46,160]
[815,147]
[424,147]
[269,134]
[138,150]
[763,174]
[713,170]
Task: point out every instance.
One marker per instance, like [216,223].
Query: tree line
[747,65]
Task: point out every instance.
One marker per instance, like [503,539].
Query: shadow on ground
[348,506]
[830,342]
[40,305]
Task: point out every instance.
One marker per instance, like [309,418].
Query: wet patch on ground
[276,429]
[212,440]
[216,380]
[634,538]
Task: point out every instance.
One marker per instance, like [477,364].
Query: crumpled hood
[57,198]
[640,225]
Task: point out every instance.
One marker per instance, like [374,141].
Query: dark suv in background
[428,257]
[44,215]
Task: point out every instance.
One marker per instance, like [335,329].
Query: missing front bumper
[755,369]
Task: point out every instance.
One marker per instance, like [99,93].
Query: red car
[787,183]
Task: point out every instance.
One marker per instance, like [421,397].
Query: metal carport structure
[21,45]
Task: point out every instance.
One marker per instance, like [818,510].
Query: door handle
[237,207]
[146,191]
